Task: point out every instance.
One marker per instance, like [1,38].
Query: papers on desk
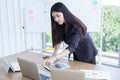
[53,66]
[95,74]
[14,66]
[46,73]
[57,65]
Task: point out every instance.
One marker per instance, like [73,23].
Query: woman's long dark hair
[69,19]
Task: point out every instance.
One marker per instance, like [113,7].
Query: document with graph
[57,65]
[97,74]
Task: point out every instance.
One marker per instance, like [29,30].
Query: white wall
[13,37]
[37,14]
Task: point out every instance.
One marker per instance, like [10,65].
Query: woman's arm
[52,59]
[62,54]
[56,48]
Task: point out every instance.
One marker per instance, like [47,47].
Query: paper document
[58,66]
[46,73]
[95,74]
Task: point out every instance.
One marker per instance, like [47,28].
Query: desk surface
[37,58]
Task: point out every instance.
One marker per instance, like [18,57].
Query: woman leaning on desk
[68,28]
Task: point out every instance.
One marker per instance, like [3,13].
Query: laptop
[29,69]
[13,66]
[67,74]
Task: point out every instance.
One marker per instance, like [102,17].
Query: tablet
[57,66]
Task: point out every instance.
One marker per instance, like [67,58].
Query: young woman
[68,28]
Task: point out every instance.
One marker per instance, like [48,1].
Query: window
[110,37]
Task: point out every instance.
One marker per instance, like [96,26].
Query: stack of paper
[96,74]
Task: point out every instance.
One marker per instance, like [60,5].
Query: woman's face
[58,17]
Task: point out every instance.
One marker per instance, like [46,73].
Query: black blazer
[82,47]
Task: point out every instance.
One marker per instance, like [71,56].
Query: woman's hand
[49,60]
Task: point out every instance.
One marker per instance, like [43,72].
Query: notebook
[97,74]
